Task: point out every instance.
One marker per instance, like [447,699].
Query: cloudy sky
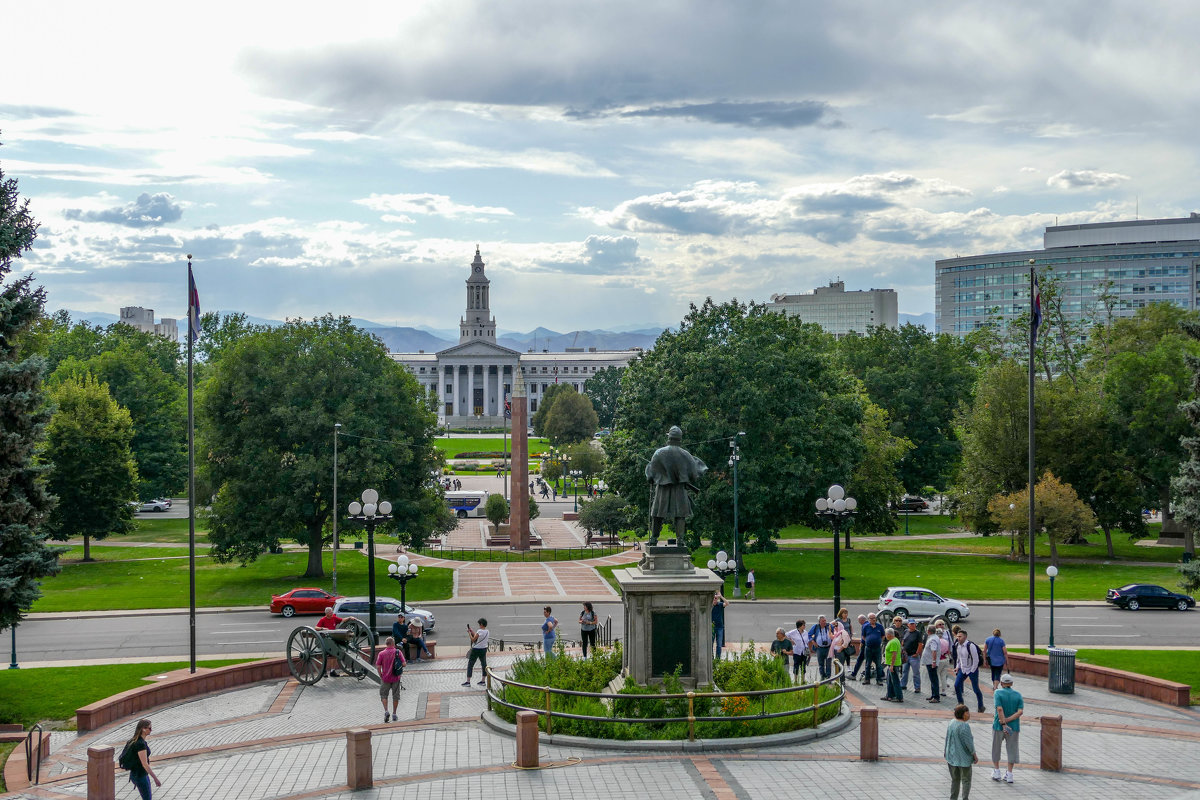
[615,160]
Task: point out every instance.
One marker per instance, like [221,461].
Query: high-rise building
[1137,262]
[143,320]
[839,312]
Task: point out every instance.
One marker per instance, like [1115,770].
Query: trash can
[1062,670]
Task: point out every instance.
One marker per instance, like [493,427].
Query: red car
[302,601]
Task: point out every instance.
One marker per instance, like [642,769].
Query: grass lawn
[917,524]
[452,447]
[1001,545]
[805,574]
[5,749]
[53,693]
[156,529]
[1181,666]
[103,553]
[164,583]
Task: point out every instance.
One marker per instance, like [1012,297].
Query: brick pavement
[278,741]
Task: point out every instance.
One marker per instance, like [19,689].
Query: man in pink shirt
[389,678]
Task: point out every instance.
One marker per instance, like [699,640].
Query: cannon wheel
[361,641]
[306,655]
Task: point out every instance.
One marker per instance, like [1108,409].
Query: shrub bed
[750,671]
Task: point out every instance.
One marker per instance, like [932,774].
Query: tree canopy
[604,387]
[267,411]
[538,421]
[571,418]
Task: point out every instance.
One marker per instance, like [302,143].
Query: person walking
[750,585]
[799,637]
[947,645]
[967,659]
[929,660]
[140,771]
[914,643]
[587,628]
[893,660]
[872,645]
[389,677]
[1006,727]
[549,634]
[997,656]
[820,638]
[862,650]
[718,622]
[960,752]
[478,651]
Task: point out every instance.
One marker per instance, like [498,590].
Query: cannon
[351,645]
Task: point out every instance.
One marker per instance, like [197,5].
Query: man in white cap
[1006,727]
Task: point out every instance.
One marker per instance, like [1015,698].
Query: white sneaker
[996,774]
[1008,777]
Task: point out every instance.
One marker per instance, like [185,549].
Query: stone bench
[413,650]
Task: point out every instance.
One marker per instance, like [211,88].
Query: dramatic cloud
[148,211]
[428,204]
[600,255]
[1084,179]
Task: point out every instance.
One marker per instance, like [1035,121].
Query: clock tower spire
[478,323]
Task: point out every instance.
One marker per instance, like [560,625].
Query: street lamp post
[337,428]
[1012,534]
[735,456]
[1052,571]
[837,507]
[402,572]
[12,664]
[722,566]
[600,487]
[370,512]
[576,474]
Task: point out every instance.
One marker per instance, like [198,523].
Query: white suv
[914,601]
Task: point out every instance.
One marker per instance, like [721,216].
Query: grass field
[5,749]
[1181,666]
[157,529]
[452,447]
[164,583]
[103,553]
[805,574]
[51,694]
[917,524]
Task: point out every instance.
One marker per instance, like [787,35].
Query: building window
[450,388]
[533,405]
[422,370]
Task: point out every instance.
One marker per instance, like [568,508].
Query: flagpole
[1034,321]
[193,324]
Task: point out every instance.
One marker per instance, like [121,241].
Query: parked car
[305,600]
[914,601]
[387,611]
[166,500]
[154,505]
[1147,595]
[908,503]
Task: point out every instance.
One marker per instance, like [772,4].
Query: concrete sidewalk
[280,740]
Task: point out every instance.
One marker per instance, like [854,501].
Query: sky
[615,161]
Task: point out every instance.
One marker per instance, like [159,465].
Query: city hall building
[473,378]
[1138,261]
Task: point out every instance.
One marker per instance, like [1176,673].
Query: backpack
[128,758]
[398,665]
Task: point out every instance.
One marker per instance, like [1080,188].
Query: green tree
[874,481]
[921,380]
[496,509]
[571,419]
[93,472]
[266,416]
[731,368]
[608,514]
[538,421]
[994,434]
[586,458]
[1186,484]
[24,503]
[604,387]
[1057,510]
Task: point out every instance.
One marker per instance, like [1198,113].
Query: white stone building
[839,312]
[472,379]
[143,320]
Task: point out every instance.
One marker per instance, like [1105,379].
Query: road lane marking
[257,641]
[1093,626]
[1107,635]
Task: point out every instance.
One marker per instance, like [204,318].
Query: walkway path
[283,741]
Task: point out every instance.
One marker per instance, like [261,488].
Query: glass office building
[1139,261]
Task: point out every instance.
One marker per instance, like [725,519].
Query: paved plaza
[282,740]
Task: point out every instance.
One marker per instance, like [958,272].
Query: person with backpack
[135,757]
[997,656]
[390,664]
[967,660]
[820,638]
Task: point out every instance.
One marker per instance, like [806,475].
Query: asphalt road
[140,635]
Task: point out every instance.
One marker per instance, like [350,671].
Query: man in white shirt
[967,660]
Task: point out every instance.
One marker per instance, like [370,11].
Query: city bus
[467,504]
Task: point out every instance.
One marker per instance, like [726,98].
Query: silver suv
[914,601]
[387,611]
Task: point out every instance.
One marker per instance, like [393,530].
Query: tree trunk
[1053,548]
[316,569]
[87,547]
[1108,540]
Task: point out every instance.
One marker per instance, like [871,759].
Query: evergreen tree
[1186,485]
[24,556]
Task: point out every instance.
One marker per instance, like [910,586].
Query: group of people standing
[820,644]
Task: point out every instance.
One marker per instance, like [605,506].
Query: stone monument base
[668,618]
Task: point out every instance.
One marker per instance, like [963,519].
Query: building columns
[470,390]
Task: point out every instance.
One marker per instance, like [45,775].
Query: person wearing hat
[862,649]
[1006,727]
[913,643]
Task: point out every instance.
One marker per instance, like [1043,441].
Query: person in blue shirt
[548,632]
[1006,727]
[718,622]
[872,648]
[997,656]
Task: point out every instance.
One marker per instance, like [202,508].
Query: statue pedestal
[668,617]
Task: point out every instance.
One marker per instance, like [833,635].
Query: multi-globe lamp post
[402,572]
[576,475]
[837,507]
[370,512]
[1052,573]
[722,566]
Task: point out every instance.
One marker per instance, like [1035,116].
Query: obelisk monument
[518,512]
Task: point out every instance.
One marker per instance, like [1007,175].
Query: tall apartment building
[143,320]
[839,312]
[1138,261]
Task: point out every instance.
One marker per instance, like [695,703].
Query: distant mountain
[925,319]
[545,339]
[94,317]
[410,340]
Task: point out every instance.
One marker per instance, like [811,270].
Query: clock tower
[478,323]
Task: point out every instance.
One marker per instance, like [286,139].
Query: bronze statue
[673,471]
